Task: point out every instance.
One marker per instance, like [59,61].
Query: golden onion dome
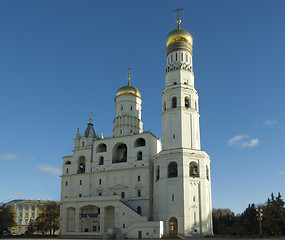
[179,35]
[129,90]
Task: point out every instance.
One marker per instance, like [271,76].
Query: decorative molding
[177,66]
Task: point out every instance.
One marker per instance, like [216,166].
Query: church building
[132,185]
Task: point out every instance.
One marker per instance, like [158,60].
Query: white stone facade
[131,185]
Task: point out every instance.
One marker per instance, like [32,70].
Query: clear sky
[61,60]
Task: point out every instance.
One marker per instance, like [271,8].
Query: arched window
[139,156]
[187,102]
[176,56]
[172,169]
[164,105]
[139,209]
[101,160]
[81,164]
[140,142]
[157,173]
[120,153]
[182,56]
[174,102]
[193,169]
[101,148]
[67,162]
[207,172]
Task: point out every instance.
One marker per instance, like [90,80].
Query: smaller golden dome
[129,90]
[179,35]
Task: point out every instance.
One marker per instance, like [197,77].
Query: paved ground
[150,239]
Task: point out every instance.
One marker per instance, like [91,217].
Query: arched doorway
[173,226]
[90,219]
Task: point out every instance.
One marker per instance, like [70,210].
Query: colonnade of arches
[187,103]
[88,219]
[119,154]
[172,170]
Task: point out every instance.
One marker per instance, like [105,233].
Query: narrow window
[172,169]
[194,199]
[196,108]
[207,172]
[176,56]
[123,195]
[164,105]
[67,170]
[124,225]
[139,209]
[182,56]
[139,178]
[174,102]
[186,57]
[121,131]
[66,183]
[131,108]
[187,102]
[80,182]
[82,144]
[122,108]
[139,156]
[173,136]
[172,197]
[157,173]
[101,160]
[100,194]
[100,181]
[171,57]
[139,193]
[80,195]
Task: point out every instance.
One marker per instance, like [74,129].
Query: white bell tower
[128,111]
[182,185]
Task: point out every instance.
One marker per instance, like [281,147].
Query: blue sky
[61,60]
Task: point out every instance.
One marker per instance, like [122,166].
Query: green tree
[6,219]
[31,228]
[223,221]
[48,221]
[274,216]
[248,221]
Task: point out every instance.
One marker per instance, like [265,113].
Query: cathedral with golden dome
[132,184]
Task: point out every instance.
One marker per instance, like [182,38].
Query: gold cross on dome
[178,17]
[129,75]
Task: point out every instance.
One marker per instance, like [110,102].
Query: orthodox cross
[129,75]
[178,17]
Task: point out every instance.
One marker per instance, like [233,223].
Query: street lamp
[259,218]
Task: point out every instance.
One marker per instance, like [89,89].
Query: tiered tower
[128,111]
[182,185]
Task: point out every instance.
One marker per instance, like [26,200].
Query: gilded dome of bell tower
[129,89]
[179,38]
